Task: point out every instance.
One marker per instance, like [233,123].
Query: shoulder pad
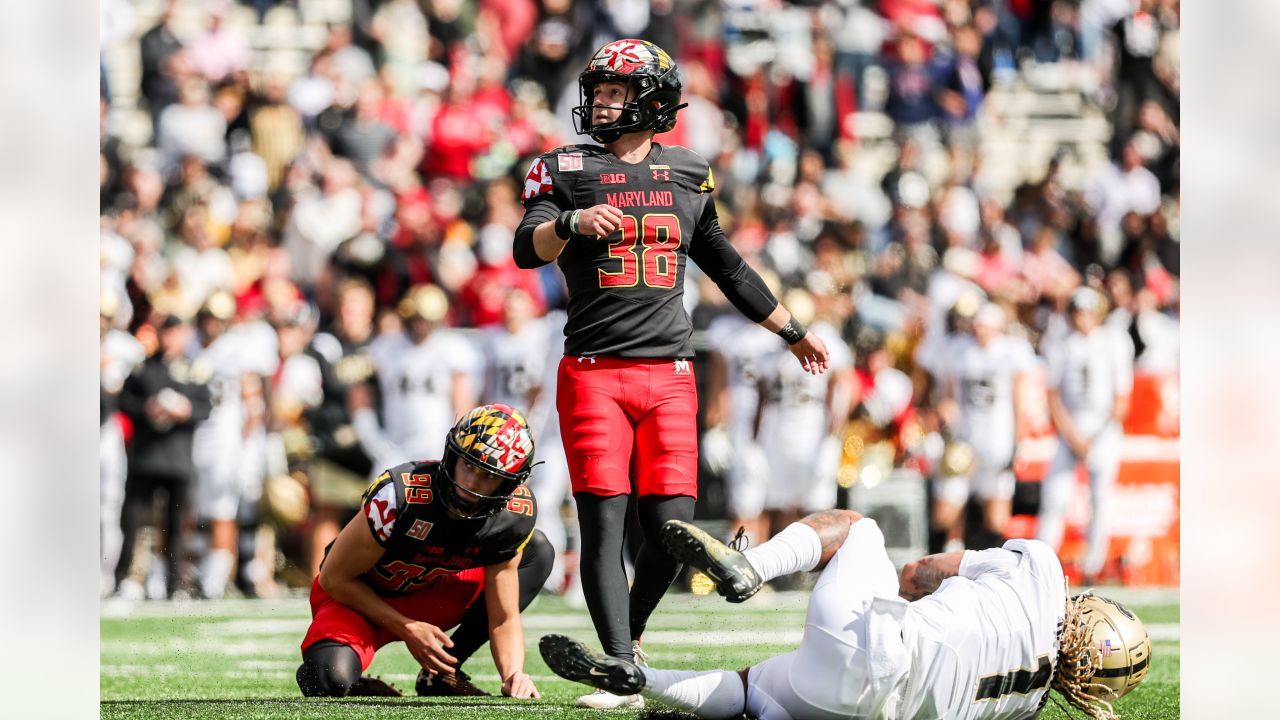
[380,507]
[538,180]
[693,166]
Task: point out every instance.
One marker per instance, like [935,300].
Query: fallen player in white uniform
[968,635]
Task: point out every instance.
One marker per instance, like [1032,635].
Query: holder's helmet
[496,440]
[653,85]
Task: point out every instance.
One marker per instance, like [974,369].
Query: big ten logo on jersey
[520,502]
[417,488]
[682,367]
[613,178]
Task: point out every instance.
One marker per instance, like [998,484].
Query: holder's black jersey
[408,519]
[626,290]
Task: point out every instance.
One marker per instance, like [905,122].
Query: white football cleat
[605,700]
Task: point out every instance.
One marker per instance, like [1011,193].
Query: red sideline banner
[1145,516]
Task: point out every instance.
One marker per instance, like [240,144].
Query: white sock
[708,693]
[215,571]
[796,549]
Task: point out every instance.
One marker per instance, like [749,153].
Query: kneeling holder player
[435,545]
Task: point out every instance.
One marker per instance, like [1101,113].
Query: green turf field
[236,658]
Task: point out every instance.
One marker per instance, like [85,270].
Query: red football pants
[441,602]
[620,414]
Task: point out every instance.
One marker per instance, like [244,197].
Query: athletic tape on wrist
[793,332]
[567,224]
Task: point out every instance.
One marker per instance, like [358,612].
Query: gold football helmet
[1120,640]
[958,459]
[1105,652]
[424,301]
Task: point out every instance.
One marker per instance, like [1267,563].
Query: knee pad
[328,669]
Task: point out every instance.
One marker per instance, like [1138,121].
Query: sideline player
[424,377]
[621,218]
[986,634]
[801,419]
[1090,379]
[520,358]
[739,352]
[980,383]
[435,544]
[221,442]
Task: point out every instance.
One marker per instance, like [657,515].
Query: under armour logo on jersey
[682,367]
[661,174]
[588,358]
[537,181]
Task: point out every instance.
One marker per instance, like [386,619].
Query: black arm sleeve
[538,211]
[717,258]
[133,396]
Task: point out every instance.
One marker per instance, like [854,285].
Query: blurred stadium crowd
[307,210]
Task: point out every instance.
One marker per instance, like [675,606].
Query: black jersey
[626,290]
[421,541]
[343,363]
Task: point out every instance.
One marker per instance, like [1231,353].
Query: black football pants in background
[621,616]
[139,490]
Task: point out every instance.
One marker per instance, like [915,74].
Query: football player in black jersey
[621,218]
[436,544]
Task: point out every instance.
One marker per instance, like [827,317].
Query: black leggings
[139,491]
[619,616]
[329,668]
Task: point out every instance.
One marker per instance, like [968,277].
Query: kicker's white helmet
[1120,640]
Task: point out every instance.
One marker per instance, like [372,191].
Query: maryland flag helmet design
[492,438]
[654,88]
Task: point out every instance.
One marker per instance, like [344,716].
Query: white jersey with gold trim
[417,384]
[514,363]
[984,645]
